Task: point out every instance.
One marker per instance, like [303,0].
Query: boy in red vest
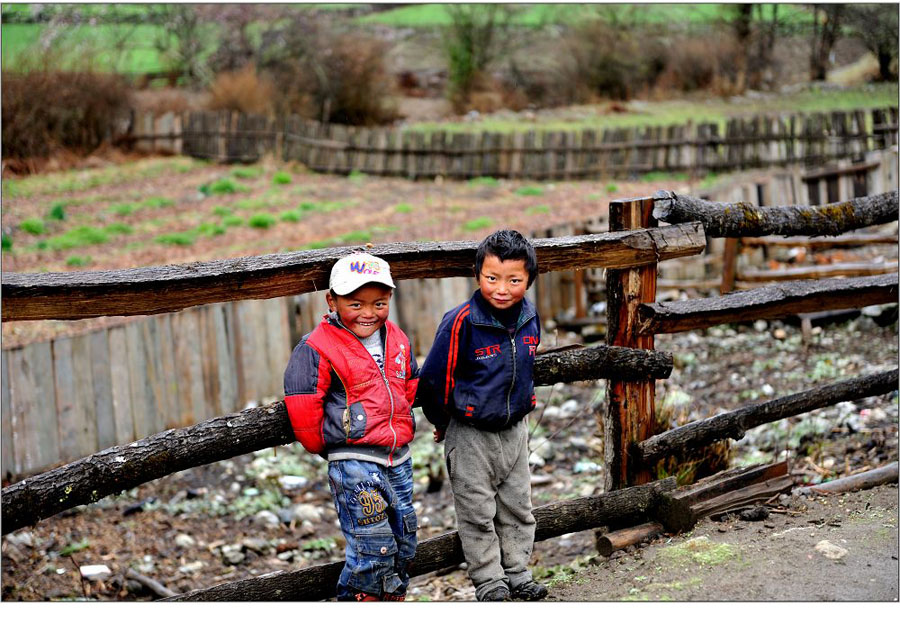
[349,389]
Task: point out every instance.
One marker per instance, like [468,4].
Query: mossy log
[737,219]
[119,468]
[632,504]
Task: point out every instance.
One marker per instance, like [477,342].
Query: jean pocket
[376,545]
[410,524]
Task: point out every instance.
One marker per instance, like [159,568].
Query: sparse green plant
[542,209]
[118,228]
[210,229]
[246,173]
[261,220]
[123,210]
[356,236]
[78,261]
[7,242]
[157,202]
[81,236]
[484,181]
[57,212]
[281,177]
[74,548]
[290,216]
[529,191]
[222,211]
[232,221]
[477,223]
[403,208]
[222,186]
[356,176]
[612,187]
[182,239]
[33,225]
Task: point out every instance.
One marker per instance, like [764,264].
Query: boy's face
[363,311]
[503,284]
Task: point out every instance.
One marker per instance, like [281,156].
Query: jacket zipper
[387,386]
[512,341]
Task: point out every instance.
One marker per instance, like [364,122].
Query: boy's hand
[439,435]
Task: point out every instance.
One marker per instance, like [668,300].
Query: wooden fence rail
[736,144]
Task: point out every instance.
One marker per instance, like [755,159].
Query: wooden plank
[223,319]
[210,359]
[73,390]
[150,334]
[143,408]
[120,380]
[84,396]
[278,345]
[7,453]
[172,416]
[849,269]
[101,374]
[630,414]
[35,432]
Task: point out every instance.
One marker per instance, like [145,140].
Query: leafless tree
[876,25]
[826,31]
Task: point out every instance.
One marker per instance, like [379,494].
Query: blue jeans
[374,504]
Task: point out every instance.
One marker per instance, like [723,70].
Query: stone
[266,518]
[95,572]
[192,567]
[306,511]
[21,538]
[257,545]
[183,540]
[233,554]
[831,551]
[292,482]
[551,411]
[579,444]
[543,447]
[568,408]
[536,460]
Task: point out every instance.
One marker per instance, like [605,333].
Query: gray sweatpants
[491,487]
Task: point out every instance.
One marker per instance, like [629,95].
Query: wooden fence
[741,143]
[631,254]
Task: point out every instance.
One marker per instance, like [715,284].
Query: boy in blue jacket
[476,389]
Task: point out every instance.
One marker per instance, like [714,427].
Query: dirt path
[835,548]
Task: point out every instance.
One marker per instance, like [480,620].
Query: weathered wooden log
[123,467]
[848,240]
[739,219]
[861,481]
[819,271]
[153,290]
[734,424]
[155,586]
[769,302]
[318,582]
[681,509]
[617,540]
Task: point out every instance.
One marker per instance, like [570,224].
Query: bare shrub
[243,91]
[45,110]
[703,63]
[342,80]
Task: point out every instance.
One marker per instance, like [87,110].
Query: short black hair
[508,245]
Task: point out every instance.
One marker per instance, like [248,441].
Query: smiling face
[363,311]
[503,284]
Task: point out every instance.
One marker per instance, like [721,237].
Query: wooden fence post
[630,411]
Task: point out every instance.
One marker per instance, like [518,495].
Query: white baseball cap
[358,269]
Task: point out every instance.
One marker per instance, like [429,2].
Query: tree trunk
[121,468]
[318,582]
[154,290]
[733,424]
[767,303]
[744,219]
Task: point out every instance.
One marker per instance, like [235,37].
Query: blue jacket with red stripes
[341,404]
[478,371]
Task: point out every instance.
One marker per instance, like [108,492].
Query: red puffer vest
[336,395]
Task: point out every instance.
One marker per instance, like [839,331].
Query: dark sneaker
[498,594]
[530,591]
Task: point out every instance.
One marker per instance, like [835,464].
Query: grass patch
[484,181]
[403,208]
[180,239]
[222,211]
[78,261]
[232,221]
[261,220]
[701,551]
[157,202]
[356,176]
[477,224]
[223,186]
[74,548]
[57,212]
[527,191]
[7,242]
[612,187]
[659,176]
[123,210]
[281,177]
[210,229]
[118,228]
[291,216]
[82,236]
[534,210]
[246,173]
[34,226]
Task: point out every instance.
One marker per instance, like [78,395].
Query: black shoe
[530,591]
[498,594]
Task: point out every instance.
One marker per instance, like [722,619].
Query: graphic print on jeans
[374,505]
